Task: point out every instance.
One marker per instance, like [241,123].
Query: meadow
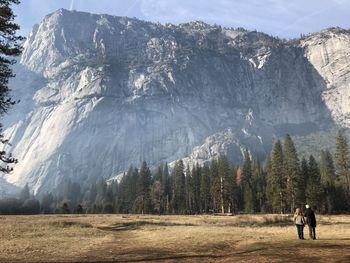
[149,238]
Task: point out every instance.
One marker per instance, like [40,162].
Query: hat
[307,206]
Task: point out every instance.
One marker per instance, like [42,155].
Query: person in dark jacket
[311,221]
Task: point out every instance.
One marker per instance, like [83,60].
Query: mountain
[99,93]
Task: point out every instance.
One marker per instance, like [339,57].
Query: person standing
[299,221]
[311,221]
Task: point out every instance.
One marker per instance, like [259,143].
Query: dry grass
[132,238]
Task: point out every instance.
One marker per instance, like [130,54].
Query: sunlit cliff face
[99,93]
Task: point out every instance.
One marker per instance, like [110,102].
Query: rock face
[99,93]
[329,52]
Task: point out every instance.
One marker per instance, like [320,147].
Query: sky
[282,18]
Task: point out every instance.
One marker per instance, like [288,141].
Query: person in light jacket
[299,221]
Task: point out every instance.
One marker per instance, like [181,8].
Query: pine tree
[108,204]
[166,189]
[225,184]
[342,165]
[127,191]
[10,46]
[313,189]
[143,200]
[75,196]
[158,176]
[101,187]
[215,189]
[157,194]
[342,198]
[188,189]
[276,179]
[92,197]
[327,172]
[196,185]
[156,197]
[205,189]
[247,184]
[259,187]
[114,186]
[292,172]
[268,191]
[302,183]
[178,201]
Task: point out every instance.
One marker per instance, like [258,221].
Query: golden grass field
[148,238]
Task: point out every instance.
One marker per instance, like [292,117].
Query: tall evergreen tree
[158,176]
[224,181]
[327,172]
[127,191]
[108,202]
[269,190]
[215,188]
[205,189]
[342,159]
[247,184]
[196,185]
[276,179]
[10,47]
[178,201]
[302,183]
[91,198]
[101,187]
[143,187]
[342,170]
[313,188]
[259,187]
[157,197]
[292,172]
[188,189]
[342,165]
[166,189]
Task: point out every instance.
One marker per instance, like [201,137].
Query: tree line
[283,183]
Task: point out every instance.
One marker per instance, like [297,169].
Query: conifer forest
[279,184]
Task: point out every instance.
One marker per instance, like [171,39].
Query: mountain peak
[100,93]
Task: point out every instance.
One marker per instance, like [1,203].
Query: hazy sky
[283,18]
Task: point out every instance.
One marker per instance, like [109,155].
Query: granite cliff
[99,93]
